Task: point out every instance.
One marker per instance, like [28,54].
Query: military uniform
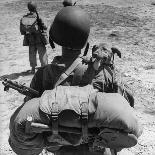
[36,42]
[84,74]
[70,30]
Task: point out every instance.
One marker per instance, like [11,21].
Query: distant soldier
[68,3]
[35,36]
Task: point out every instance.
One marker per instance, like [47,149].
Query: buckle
[84,121]
[54,118]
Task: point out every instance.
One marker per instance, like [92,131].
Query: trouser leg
[32,56]
[42,54]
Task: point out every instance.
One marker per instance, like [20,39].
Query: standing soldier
[71,33]
[35,36]
[70,29]
[68,3]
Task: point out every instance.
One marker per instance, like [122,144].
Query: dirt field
[127,24]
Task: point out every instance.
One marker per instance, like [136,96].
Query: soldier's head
[32,7]
[70,28]
[68,3]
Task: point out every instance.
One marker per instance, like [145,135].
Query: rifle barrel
[20,88]
[6,81]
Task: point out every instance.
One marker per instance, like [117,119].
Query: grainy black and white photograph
[77,77]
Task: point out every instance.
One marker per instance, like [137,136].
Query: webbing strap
[69,70]
[54,116]
[84,121]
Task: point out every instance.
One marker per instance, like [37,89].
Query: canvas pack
[29,24]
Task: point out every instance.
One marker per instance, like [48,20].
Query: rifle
[20,88]
[40,24]
[41,29]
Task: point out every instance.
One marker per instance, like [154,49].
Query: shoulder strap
[69,70]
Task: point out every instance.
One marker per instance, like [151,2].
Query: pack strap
[69,70]
[84,121]
[54,116]
[84,117]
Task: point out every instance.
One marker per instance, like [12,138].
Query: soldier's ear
[115,50]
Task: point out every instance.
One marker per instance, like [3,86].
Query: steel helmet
[67,3]
[70,28]
[31,6]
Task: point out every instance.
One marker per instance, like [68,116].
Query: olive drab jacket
[40,37]
[102,79]
[84,74]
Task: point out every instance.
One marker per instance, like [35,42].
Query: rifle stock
[20,88]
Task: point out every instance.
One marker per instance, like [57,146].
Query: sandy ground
[127,24]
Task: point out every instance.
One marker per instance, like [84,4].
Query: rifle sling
[84,112]
[69,70]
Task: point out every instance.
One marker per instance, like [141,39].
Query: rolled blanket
[20,141]
[107,112]
[102,119]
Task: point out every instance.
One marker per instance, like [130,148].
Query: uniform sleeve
[21,30]
[37,81]
[43,79]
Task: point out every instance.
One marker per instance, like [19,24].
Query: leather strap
[84,121]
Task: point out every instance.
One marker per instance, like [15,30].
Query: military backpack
[29,24]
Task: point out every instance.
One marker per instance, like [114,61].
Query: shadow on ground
[150,111]
[14,76]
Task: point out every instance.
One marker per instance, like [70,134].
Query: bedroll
[72,116]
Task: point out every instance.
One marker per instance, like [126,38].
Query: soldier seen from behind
[70,29]
[35,36]
[72,68]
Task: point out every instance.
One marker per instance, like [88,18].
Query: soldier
[72,34]
[70,29]
[35,36]
[68,3]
